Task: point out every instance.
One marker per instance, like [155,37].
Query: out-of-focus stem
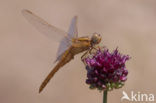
[105,96]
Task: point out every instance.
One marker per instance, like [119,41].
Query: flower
[106,70]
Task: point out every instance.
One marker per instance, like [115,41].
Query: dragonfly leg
[90,50]
[82,57]
[93,48]
[96,48]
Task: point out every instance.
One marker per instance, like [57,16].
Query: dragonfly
[70,43]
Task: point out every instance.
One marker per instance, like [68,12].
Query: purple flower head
[106,70]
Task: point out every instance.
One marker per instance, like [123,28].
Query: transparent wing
[72,33]
[52,32]
[49,30]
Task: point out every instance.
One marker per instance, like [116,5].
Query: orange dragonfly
[70,43]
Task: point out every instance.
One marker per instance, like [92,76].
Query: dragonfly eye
[95,39]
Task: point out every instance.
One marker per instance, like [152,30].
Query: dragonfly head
[95,39]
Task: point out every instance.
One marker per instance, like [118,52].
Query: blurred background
[26,56]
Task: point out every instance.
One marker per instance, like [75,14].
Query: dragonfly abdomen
[67,56]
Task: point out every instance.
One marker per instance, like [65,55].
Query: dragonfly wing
[64,45]
[72,33]
[49,30]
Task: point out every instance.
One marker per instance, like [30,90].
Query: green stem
[105,96]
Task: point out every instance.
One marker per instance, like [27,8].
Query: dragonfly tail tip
[40,90]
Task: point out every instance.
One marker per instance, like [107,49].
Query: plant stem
[105,96]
